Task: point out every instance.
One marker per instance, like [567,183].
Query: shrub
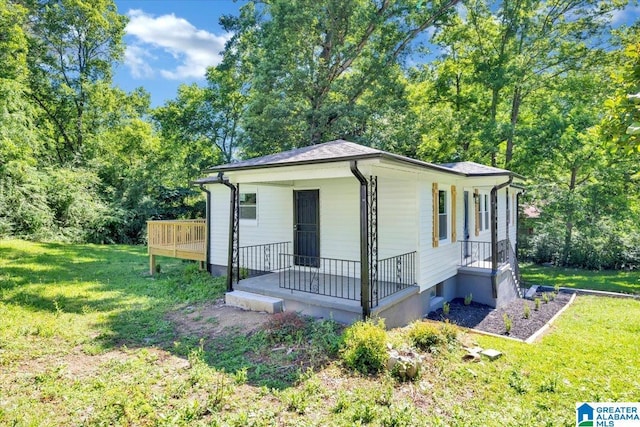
[537,304]
[286,327]
[449,331]
[468,299]
[527,311]
[425,335]
[508,323]
[325,336]
[545,298]
[364,346]
[446,307]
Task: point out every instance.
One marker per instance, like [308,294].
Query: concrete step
[254,302]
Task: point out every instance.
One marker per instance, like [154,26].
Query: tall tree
[207,118]
[512,48]
[73,45]
[622,124]
[313,61]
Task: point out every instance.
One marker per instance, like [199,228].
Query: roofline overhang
[385,156]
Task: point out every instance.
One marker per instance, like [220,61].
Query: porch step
[254,302]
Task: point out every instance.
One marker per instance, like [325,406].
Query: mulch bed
[487,319]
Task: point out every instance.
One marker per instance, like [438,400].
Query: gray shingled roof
[472,168]
[329,151]
[341,150]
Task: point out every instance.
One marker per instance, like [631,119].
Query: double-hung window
[484,212]
[248,206]
[443,219]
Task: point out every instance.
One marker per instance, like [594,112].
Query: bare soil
[215,319]
[487,319]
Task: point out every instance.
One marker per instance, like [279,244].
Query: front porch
[325,287]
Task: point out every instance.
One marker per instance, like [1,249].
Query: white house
[343,230]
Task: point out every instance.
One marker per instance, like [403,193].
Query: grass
[85,338]
[608,280]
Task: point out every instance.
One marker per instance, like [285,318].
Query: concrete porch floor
[318,305]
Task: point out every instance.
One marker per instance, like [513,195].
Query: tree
[622,124]
[207,118]
[311,62]
[506,51]
[73,45]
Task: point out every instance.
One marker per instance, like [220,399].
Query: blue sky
[169,42]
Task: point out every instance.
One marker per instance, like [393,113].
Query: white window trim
[484,214]
[247,221]
[447,192]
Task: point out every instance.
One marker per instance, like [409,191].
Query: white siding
[273,224]
[219,220]
[441,263]
[274,220]
[397,217]
[339,217]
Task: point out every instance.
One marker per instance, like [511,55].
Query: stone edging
[529,340]
[591,292]
[547,325]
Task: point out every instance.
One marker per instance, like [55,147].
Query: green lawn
[609,280]
[86,339]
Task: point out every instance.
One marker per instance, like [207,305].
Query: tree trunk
[515,111]
[569,212]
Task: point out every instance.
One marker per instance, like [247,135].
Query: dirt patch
[215,319]
[487,319]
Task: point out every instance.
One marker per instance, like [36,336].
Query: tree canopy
[546,88]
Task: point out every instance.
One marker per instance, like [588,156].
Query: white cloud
[135,57]
[192,49]
[628,15]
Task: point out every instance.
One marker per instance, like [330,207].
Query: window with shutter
[434,200]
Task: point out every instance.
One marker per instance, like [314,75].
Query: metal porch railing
[341,278]
[256,260]
[478,254]
[394,274]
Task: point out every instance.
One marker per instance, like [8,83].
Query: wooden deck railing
[185,239]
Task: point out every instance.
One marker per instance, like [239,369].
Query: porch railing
[394,274]
[323,276]
[256,260]
[186,239]
[478,254]
[341,278]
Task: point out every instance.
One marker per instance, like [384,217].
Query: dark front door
[306,227]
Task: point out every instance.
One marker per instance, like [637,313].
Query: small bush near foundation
[527,311]
[364,347]
[468,299]
[537,304]
[446,307]
[508,323]
[425,335]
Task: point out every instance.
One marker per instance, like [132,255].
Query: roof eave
[380,155]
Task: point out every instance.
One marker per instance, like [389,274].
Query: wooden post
[152,264]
